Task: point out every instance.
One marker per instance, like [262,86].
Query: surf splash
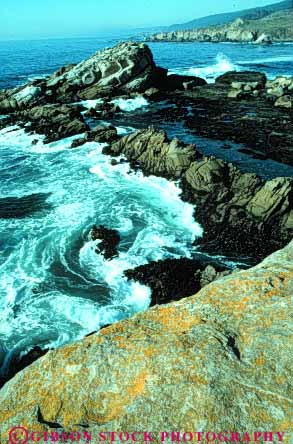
[221,65]
[54,287]
[128,105]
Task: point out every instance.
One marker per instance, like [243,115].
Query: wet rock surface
[172,279]
[100,134]
[242,215]
[155,153]
[20,362]
[109,241]
[54,121]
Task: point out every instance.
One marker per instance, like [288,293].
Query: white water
[221,65]
[277,59]
[54,287]
[131,104]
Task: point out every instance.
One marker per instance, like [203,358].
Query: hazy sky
[57,18]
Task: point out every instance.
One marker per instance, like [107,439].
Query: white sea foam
[131,104]
[277,59]
[54,287]
[90,103]
[221,65]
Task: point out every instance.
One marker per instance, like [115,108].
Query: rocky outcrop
[241,214]
[53,121]
[233,32]
[244,77]
[217,361]
[154,153]
[276,27]
[128,67]
[246,108]
[173,279]
[108,241]
[100,134]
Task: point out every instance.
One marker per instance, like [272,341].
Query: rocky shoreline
[243,216]
[274,28]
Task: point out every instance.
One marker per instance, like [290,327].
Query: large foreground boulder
[219,361]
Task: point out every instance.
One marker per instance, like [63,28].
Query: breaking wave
[221,65]
[54,287]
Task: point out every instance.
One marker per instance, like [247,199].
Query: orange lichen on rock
[219,360]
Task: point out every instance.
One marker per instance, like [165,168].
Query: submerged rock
[13,207]
[221,360]
[109,240]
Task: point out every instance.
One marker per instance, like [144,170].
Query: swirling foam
[54,287]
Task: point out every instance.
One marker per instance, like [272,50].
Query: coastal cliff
[276,27]
[219,360]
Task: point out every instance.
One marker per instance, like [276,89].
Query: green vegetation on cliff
[275,27]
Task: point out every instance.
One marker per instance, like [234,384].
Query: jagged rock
[155,153]
[284,102]
[126,68]
[109,240]
[54,121]
[218,361]
[241,214]
[280,86]
[100,134]
[173,279]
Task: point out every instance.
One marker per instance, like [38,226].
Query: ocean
[54,287]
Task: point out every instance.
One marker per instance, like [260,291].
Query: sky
[24,19]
